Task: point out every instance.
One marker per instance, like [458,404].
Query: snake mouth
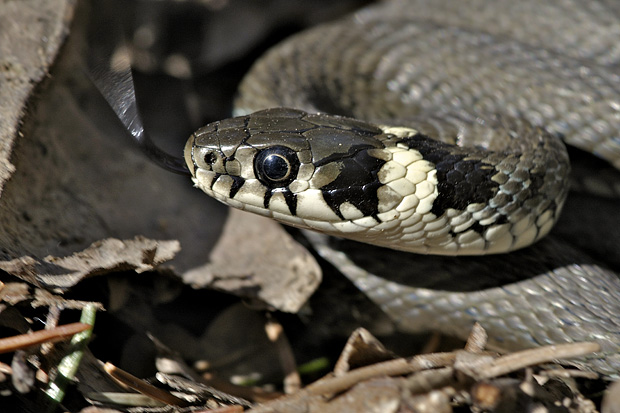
[188,155]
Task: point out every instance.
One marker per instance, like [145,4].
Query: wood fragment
[361,349]
[333,385]
[14,292]
[5,369]
[427,380]
[143,387]
[51,321]
[530,357]
[53,335]
[201,390]
[223,409]
[124,399]
[477,340]
[570,373]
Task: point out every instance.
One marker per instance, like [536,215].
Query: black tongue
[109,67]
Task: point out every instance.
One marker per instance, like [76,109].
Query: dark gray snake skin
[462,71]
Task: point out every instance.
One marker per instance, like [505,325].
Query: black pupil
[276,167]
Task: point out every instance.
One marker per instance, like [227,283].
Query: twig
[223,409]
[51,321]
[427,380]
[530,357]
[570,373]
[332,385]
[143,387]
[53,335]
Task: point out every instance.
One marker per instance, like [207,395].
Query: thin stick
[332,385]
[530,357]
[52,335]
[143,387]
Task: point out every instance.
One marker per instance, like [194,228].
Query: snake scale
[436,127]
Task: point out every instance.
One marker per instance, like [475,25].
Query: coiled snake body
[448,156]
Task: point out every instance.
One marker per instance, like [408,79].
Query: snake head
[302,169]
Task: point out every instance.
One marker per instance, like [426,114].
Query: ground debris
[281,277]
[95,206]
[139,254]
[440,381]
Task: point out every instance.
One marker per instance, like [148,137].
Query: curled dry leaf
[139,254]
[246,263]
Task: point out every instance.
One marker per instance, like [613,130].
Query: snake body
[434,127]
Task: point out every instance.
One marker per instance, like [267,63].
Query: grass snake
[436,127]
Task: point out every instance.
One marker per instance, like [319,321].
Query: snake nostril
[210,158]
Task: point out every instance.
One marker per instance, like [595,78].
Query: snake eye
[276,166]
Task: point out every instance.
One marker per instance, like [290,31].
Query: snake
[428,137]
